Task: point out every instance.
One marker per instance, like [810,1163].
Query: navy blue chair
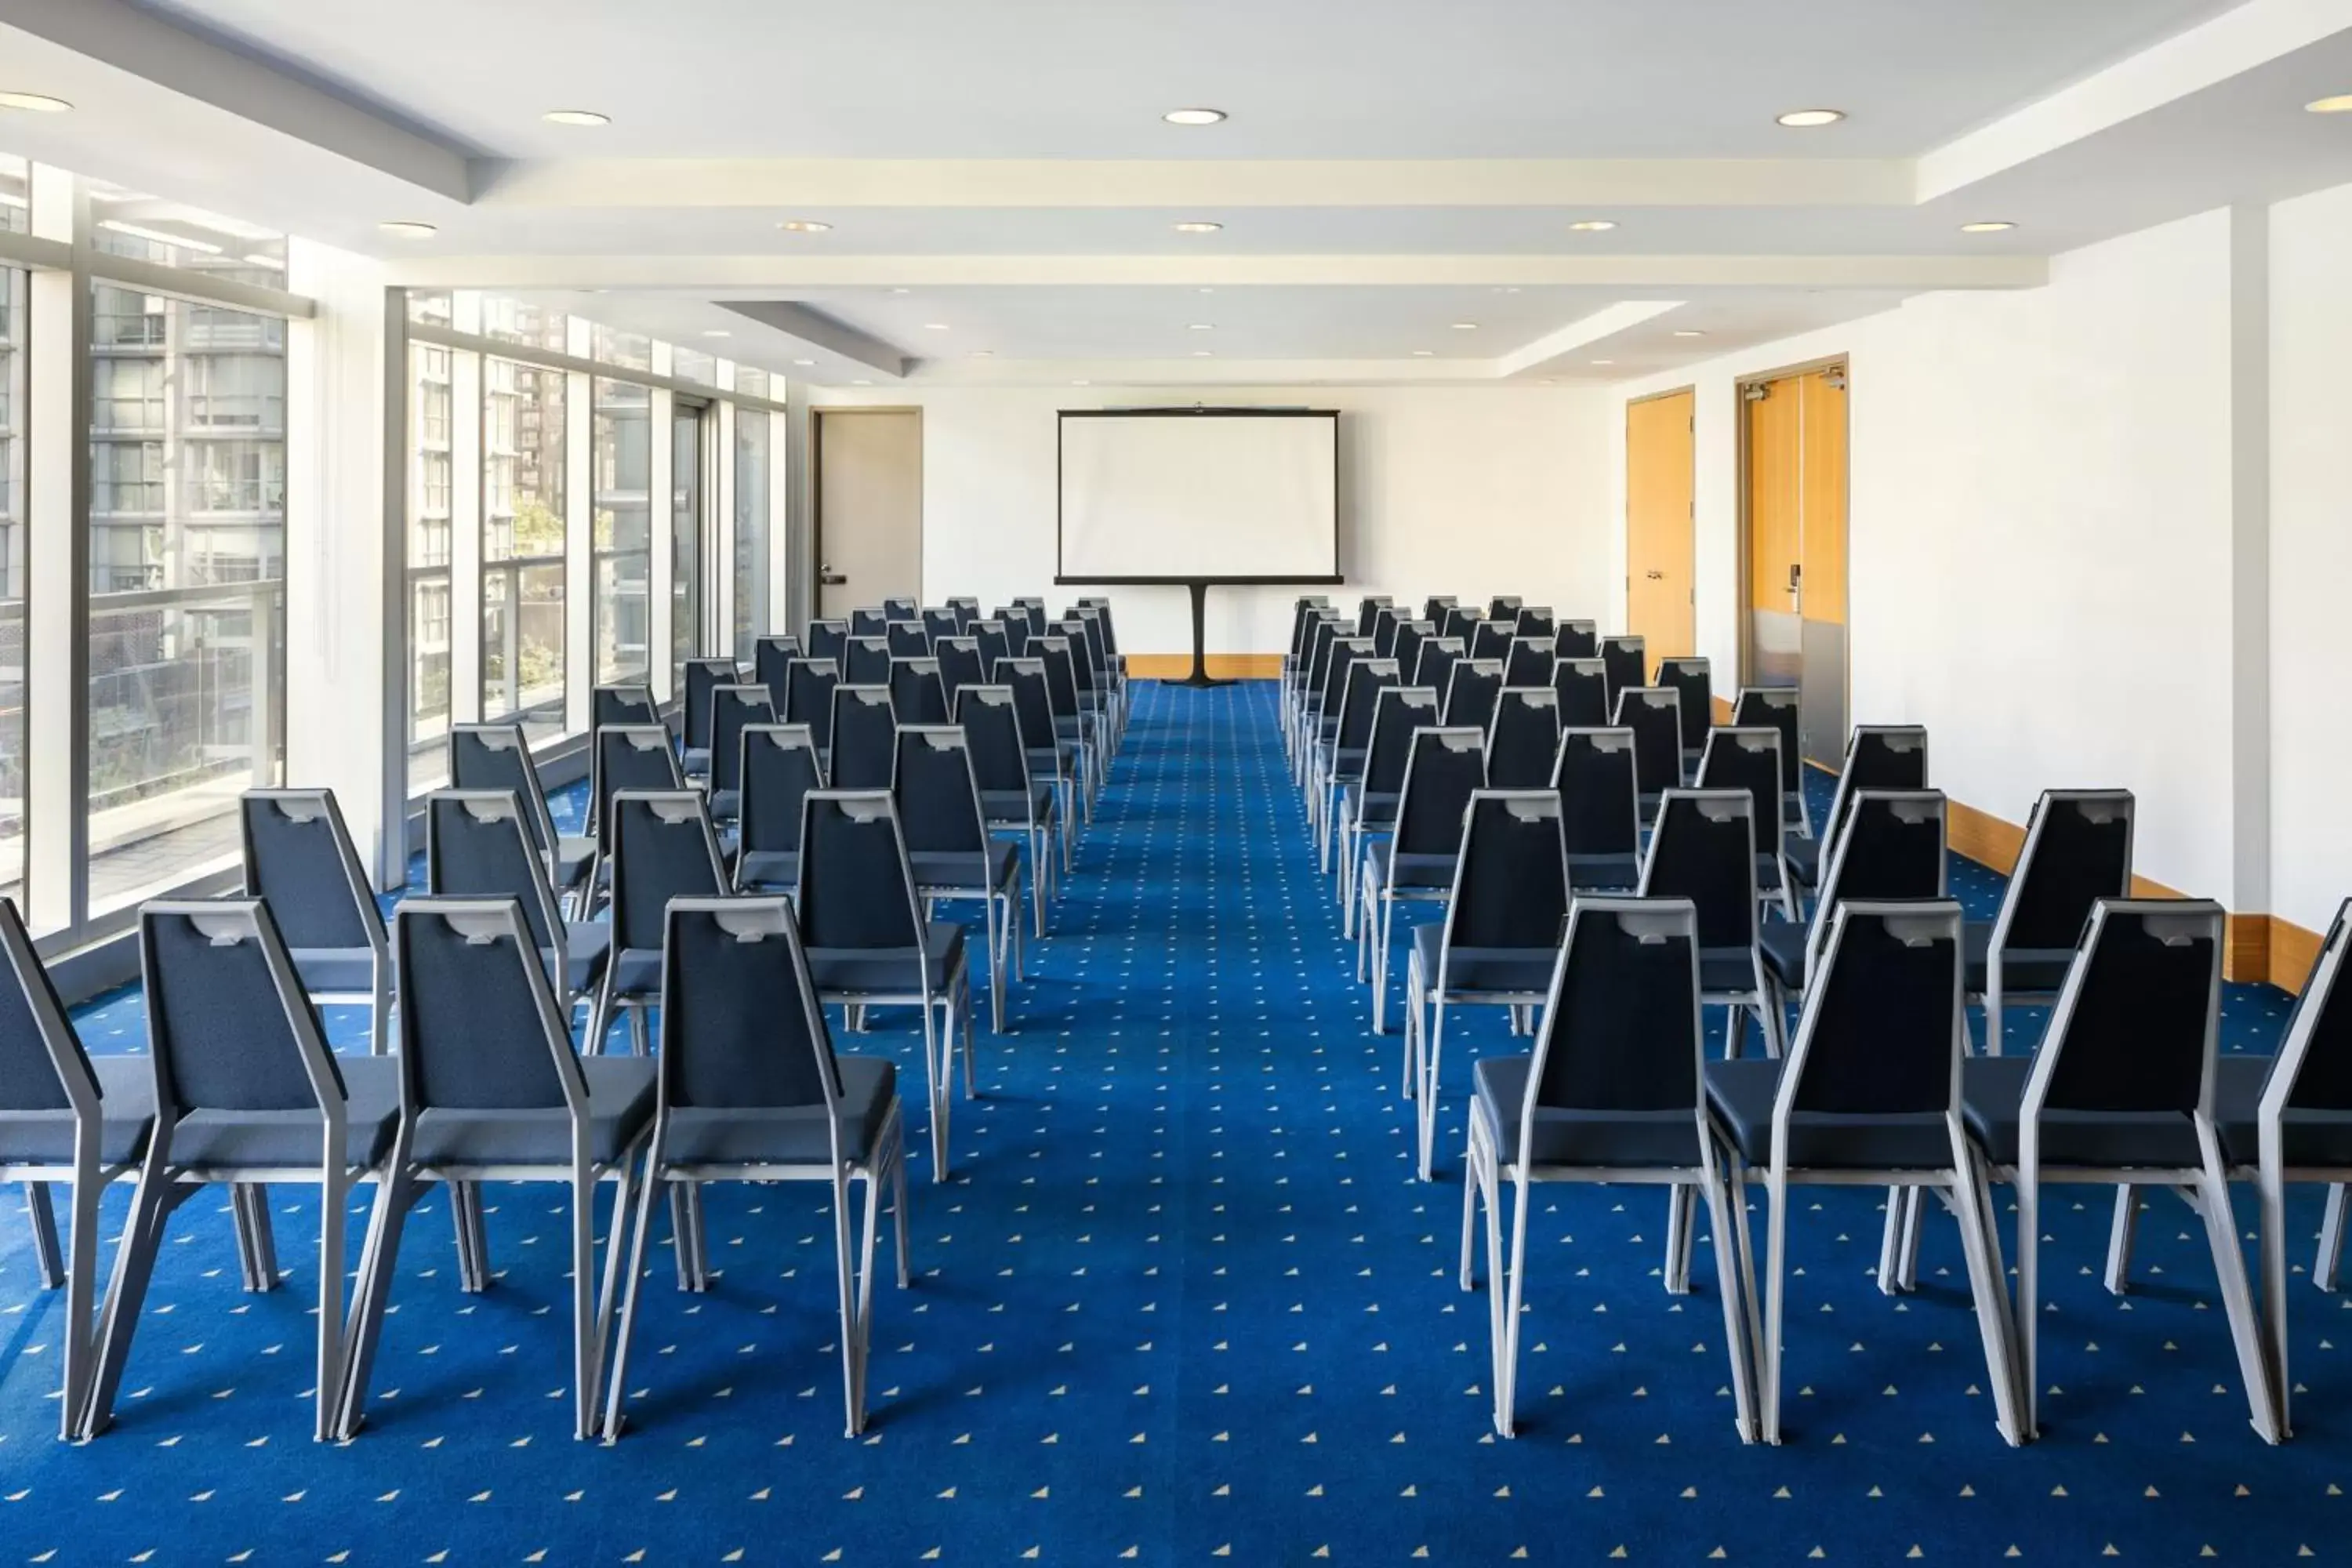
[1613,1091]
[1868,1093]
[1459,622]
[703,676]
[1051,759]
[246,1094]
[626,756]
[1339,761]
[1368,612]
[807,698]
[750,1089]
[299,861]
[1704,850]
[967,611]
[993,640]
[907,639]
[900,609]
[867,662]
[1778,708]
[1576,639]
[772,664]
[1323,633]
[491,1090]
[1074,725]
[1750,760]
[1583,690]
[1471,688]
[498,757]
[1435,608]
[779,765]
[960,665]
[1601,801]
[1432,664]
[1653,713]
[864,743]
[1493,638]
[1535,621]
[828,640]
[663,848]
[2078,850]
[1033,609]
[869,942]
[1502,607]
[1523,737]
[868,622]
[1405,647]
[1877,756]
[476,847]
[1444,770]
[949,849]
[1502,926]
[1012,800]
[1368,803]
[1892,847]
[917,696]
[66,1119]
[1693,690]
[734,709]
[628,705]
[941,622]
[1017,632]
[1527,661]
[1625,662]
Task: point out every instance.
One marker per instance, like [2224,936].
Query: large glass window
[522,546]
[16,195]
[429,402]
[622,460]
[173,234]
[751,443]
[11,579]
[187,543]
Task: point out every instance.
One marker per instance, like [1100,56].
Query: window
[522,546]
[515,321]
[12,572]
[188,547]
[629,350]
[171,234]
[429,397]
[622,460]
[751,442]
[429,306]
[750,382]
[15,193]
[687,364]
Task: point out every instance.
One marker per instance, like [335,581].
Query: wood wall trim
[1221,666]
[2293,949]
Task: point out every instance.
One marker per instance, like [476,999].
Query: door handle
[828,577]
[1655,576]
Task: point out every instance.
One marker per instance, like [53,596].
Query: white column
[579,551]
[662,584]
[780,505]
[719,507]
[2250,577]
[464,536]
[57,571]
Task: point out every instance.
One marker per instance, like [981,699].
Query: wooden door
[1660,607]
[869,508]
[1794,440]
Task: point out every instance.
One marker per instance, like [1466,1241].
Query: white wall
[2311,556]
[2040,533]
[1470,491]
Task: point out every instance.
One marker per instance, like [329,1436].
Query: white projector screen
[1183,495]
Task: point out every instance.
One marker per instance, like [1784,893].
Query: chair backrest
[993,639]
[1385,621]
[960,665]
[663,848]
[936,794]
[623,705]
[991,725]
[702,676]
[856,889]
[1703,848]
[1471,687]
[828,639]
[1881,1030]
[1461,621]
[1018,631]
[1397,713]
[1510,886]
[1321,633]
[965,607]
[42,1064]
[498,757]
[779,766]
[939,623]
[1527,661]
[1689,679]
[1625,662]
[1749,759]
[741,1027]
[1577,639]
[1033,607]
[1109,627]
[916,694]
[1443,768]
[1776,706]
[1369,611]
[1583,691]
[1433,608]
[1344,652]
[862,730]
[1655,715]
[1433,662]
[732,708]
[1491,639]
[808,697]
[1621,1027]
[1305,611]
[480,1027]
[898,609]
[1892,847]
[1535,621]
[867,661]
[907,639]
[1599,791]
[299,859]
[1367,678]
[1033,699]
[628,756]
[1090,623]
[1405,647]
[772,663]
[1502,607]
[2314,1071]
[228,1023]
[2137,1024]
[1082,653]
[1878,756]
[1061,673]
[1523,737]
[476,847]
[867,621]
[2078,850]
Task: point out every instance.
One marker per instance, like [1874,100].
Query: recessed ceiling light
[403,229]
[1194,116]
[576,117]
[805,226]
[1546,381]
[1082,384]
[35,102]
[1592,225]
[1201,354]
[1466,326]
[983,353]
[1198,225]
[804,362]
[1202,327]
[902,291]
[1604,361]
[1808,119]
[2340,103]
[1424,353]
[861,383]
[716,332]
[1688,333]
[935,326]
[1990,226]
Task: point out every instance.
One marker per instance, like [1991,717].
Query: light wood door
[869,507]
[1660,607]
[1794,429]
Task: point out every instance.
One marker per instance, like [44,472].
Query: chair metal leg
[151,1203]
[1776,1255]
[1682,1215]
[2121,1233]
[2029,1299]
[2255,1364]
[934,1071]
[1980,1242]
[632,1174]
[81,1288]
[1432,1058]
[396,1194]
[44,1221]
[326,1397]
[686,1236]
[1474,1171]
[995,971]
[2272,1187]
[1509,1277]
[1890,1241]
[259,1234]
[617,1380]
[2328,1267]
[585,1384]
[1731,1271]
[640,1032]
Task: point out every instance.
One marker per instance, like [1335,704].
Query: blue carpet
[1181,1301]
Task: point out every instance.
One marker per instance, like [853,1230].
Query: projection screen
[1191,495]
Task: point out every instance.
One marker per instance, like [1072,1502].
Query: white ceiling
[1389,168]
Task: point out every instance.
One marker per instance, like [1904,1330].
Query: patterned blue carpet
[1182,1302]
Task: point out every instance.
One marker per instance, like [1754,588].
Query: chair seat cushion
[1721,970]
[726,805]
[1741,1093]
[637,971]
[126,1094]
[768,870]
[1993,1088]
[228,1139]
[695,761]
[1804,858]
[1051,762]
[1768,873]
[619,1106]
[1373,809]
[1603,873]
[862,973]
[1346,761]
[1010,808]
[1384,867]
[961,871]
[787,1135]
[2024,971]
[1781,944]
[574,860]
[2312,1139]
[587,948]
[1482,972]
[1644,1139]
[334,969]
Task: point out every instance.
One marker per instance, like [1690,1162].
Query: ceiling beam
[818,331]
